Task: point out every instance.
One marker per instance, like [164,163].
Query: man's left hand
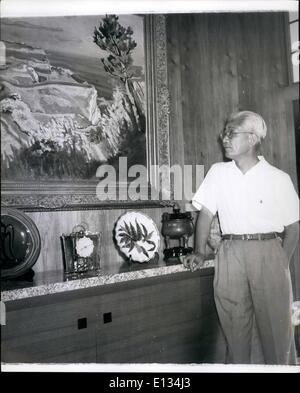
[193,261]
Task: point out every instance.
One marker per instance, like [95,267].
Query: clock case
[74,264]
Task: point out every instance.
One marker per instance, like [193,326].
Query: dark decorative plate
[20,243]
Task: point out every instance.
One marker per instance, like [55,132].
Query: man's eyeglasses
[230,134]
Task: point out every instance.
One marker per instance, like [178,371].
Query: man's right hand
[193,261]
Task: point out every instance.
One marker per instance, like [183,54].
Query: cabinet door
[47,331]
[169,321]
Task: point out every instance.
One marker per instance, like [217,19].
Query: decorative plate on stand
[20,243]
[137,236]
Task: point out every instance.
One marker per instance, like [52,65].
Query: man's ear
[254,139]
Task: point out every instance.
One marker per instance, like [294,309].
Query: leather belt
[253,236]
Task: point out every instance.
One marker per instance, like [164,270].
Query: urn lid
[177,214]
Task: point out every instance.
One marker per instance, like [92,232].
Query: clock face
[84,247]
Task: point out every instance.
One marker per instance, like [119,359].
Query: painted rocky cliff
[52,123]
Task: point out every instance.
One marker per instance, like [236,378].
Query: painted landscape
[72,96]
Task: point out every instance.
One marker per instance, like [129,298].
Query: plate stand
[27,276]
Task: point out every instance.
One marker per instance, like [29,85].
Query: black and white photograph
[150,179]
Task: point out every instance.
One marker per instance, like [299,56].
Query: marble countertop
[47,283]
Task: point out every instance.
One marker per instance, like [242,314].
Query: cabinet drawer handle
[107,317]
[82,323]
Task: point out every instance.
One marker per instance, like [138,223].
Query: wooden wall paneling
[229,61]
[196,79]
[52,224]
[179,64]
[209,82]
[289,157]
[223,84]
[255,74]
[284,136]
[263,79]
[283,41]
[105,220]
[175,91]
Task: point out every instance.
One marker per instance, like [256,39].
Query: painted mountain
[62,115]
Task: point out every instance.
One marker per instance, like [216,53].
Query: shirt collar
[259,164]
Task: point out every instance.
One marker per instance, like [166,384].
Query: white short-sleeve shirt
[260,201]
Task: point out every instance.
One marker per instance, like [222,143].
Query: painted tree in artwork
[118,42]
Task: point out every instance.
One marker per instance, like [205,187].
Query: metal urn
[178,226]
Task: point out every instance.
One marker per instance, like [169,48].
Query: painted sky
[68,34]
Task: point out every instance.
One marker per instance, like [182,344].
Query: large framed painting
[84,101]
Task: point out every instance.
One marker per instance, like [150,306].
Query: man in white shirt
[258,210]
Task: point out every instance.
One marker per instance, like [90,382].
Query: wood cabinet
[45,330]
[169,319]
